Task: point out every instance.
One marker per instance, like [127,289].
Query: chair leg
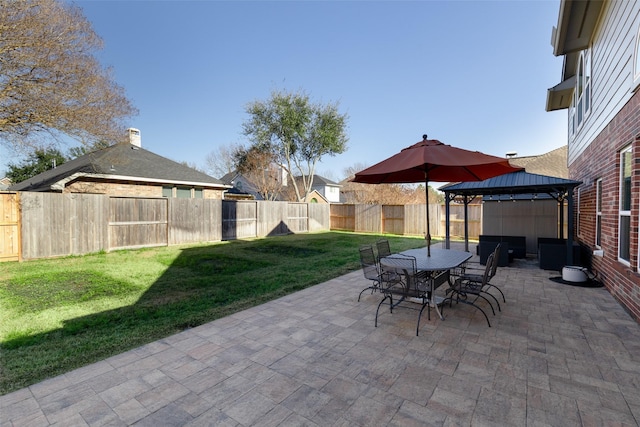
[488,302]
[464,301]
[428,304]
[378,309]
[494,298]
[484,314]
[370,287]
[495,287]
[374,287]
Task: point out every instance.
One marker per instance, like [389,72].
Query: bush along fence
[41,225]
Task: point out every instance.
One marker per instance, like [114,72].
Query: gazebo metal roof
[514,183]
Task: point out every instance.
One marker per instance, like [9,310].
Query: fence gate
[9,227]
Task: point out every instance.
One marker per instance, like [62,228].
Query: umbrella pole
[428,236]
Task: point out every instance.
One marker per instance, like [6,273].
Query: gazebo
[513,184]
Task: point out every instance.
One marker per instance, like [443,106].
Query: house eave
[559,97]
[577,21]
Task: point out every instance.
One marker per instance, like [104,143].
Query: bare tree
[221,161]
[384,194]
[51,84]
[258,166]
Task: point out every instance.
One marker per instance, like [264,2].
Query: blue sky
[473,74]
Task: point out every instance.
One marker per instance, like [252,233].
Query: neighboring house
[5,183]
[553,163]
[125,169]
[241,188]
[600,43]
[322,189]
[315,197]
[237,194]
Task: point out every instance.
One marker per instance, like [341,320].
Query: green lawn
[60,314]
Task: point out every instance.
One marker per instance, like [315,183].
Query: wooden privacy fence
[54,224]
[406,220]
[41,225]
[9,227]
[252,218]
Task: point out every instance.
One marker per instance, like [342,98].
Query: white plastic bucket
[574,274]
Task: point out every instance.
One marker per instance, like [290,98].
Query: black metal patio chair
[370,268]
[400,279]
[468,291]
[472,274]
[383,247]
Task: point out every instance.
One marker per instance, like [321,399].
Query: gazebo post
[466,223]
[447,222]
[561,214]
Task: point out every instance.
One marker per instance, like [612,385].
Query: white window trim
[636,63]
[623,213]
[580,100]
[598,233]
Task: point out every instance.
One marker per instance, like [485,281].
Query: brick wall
[601,159]
[121,188]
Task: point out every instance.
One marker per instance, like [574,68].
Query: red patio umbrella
[431,160]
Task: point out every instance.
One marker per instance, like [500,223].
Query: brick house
[600,43]
[125,169]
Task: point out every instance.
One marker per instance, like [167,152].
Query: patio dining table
[437,267]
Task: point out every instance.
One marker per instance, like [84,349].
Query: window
[624,225]
[598,212]
[581,103]
[183,192]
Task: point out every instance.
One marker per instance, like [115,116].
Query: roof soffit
[577,21]
[559,97]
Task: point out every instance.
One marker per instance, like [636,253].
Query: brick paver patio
[556,355]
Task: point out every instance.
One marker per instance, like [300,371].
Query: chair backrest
[369,263]
[489,267]
[495,261]
[398,272]
[383,248]
[400,264]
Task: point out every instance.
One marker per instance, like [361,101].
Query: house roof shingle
[121,162]
[553,163]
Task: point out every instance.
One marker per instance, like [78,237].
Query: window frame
[581,102]
[624,215]
[180,192]
[598,230]
[636,63]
